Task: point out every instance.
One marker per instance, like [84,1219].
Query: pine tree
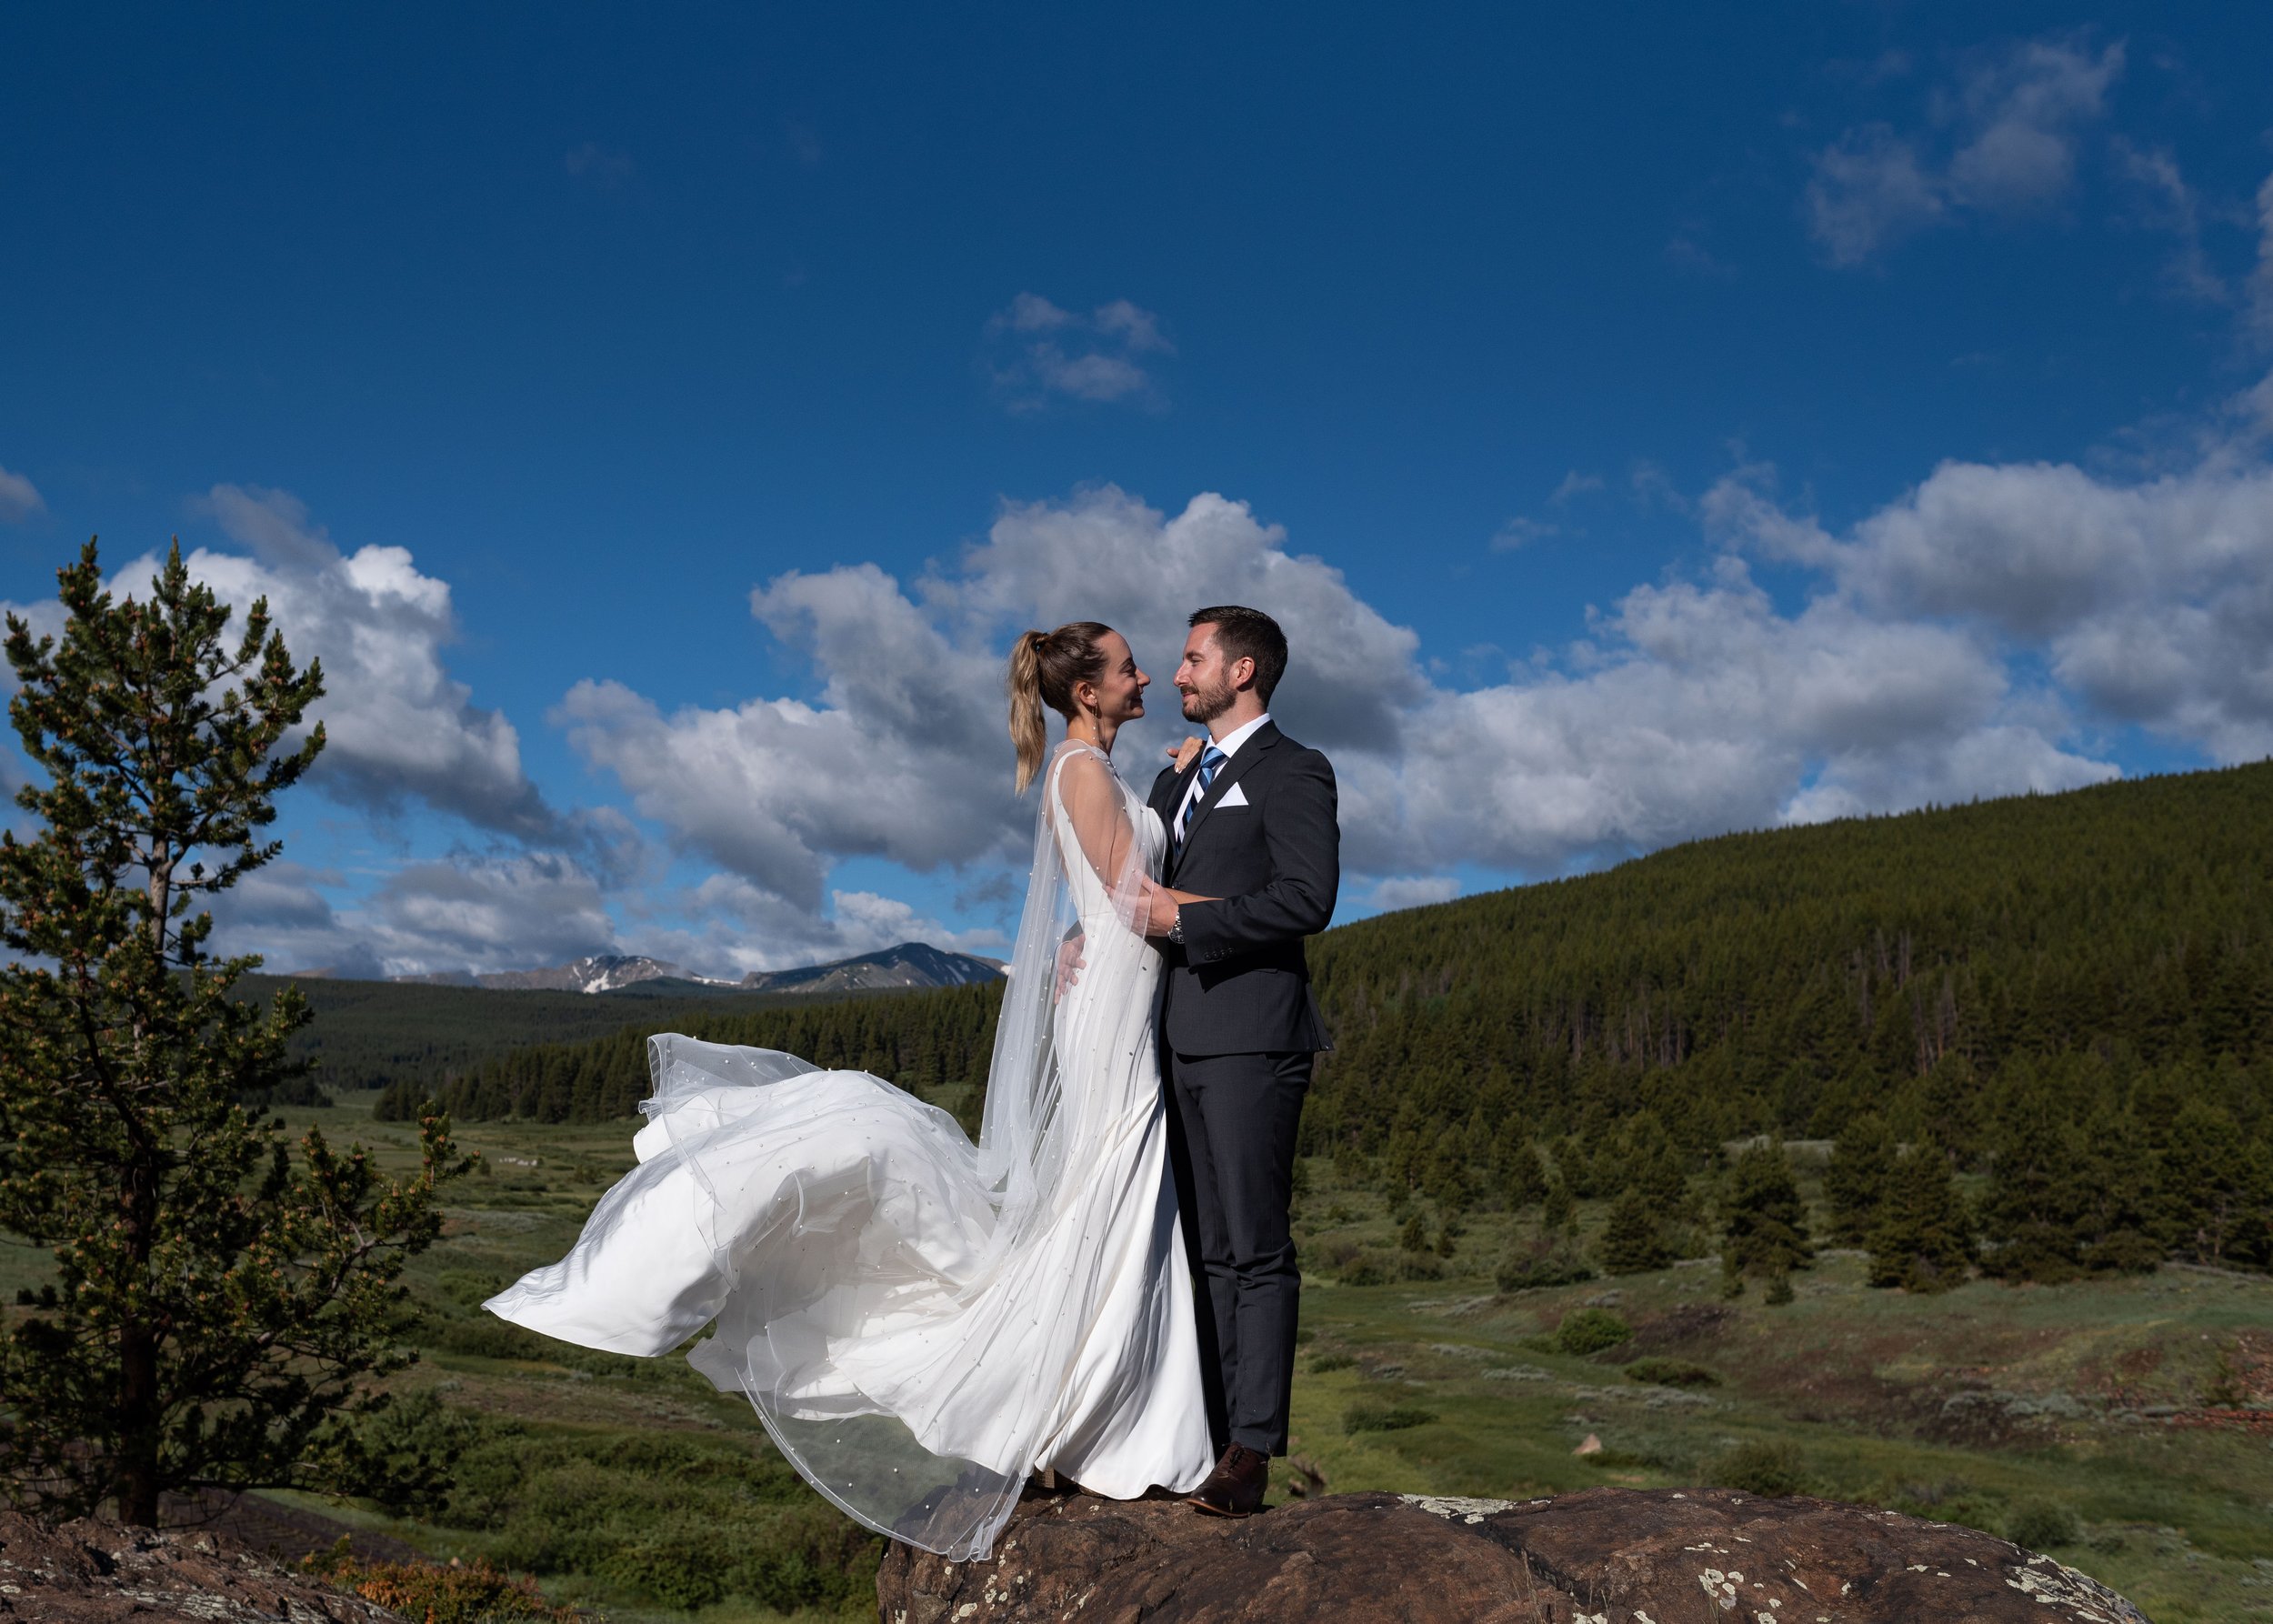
[1444,1177]
[2038,1191]
[1764,1226]
[216,1307]
[1855,1181]
[1415,1236]
[1559,1209]
[1924,1237]
[2217,1188]
[2116,1227]
[1524,1180]
[1647,1159]
[1633,1239]
[2036,1207]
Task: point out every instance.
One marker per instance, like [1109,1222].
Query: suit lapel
[1174,799]
[1166,808]
[1258,745]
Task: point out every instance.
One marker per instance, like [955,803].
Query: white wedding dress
[922,1322]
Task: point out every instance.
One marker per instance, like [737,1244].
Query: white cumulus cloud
[463,911]
[739,926]
[2151,603]
[398,726]
[1976,635]
[1413,890]
[2020,112]
[2165,202]
[19,497]
[2261,279]
[1690,708]
[1869,189]
[1999,139]
[1041,351]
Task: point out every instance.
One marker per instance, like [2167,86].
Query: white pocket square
[1232,796]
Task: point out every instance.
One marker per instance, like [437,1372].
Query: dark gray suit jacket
[1239,983]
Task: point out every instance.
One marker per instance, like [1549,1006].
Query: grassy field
[2128,1425]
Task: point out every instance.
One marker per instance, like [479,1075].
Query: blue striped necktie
[1210,759]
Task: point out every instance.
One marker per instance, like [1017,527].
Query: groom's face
[1208,682]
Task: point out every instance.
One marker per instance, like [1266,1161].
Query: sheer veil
[923,1252]
[1084,852]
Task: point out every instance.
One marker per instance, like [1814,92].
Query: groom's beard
[1205,705]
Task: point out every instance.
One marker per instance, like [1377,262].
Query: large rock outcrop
[96,1571]
[1607,1556]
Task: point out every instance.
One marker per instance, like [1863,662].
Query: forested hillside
[372,1034]
[1789,980]
[2078,988]
[2070,994]
[921,1040]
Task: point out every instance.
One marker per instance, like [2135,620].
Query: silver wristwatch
[1176,928]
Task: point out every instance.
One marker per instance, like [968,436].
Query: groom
[1254,860]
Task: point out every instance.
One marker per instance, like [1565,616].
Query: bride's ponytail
[1028,734]
[1045,669]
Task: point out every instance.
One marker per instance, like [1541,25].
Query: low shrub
[1670,1373]
[1952,1500]
[1362,1265]
[1590,1330]
[1768,1470]
[1375,1417]
[414,1442]
[487,1337]
[1530,1265]
[2042,1524]
[1322,1363]
[676,1519]
[440,1595]
[1652,1453]
[469,1287]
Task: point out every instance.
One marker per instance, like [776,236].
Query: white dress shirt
[1229,744]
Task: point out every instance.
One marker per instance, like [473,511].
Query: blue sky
[1648,421]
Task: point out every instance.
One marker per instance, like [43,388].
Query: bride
[922,1322]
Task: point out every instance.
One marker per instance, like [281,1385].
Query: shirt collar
[1229,744]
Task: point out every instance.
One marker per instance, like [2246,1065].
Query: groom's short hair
[1245,634]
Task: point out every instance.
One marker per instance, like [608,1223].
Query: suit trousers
[1231,1144]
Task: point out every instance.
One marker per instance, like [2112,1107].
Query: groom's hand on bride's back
[1070,960]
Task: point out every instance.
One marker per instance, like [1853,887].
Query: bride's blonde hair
[1044,669]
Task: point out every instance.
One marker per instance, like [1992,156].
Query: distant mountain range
[911,964]
[602,972]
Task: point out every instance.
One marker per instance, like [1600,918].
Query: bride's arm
[1159,904]
[1098,815]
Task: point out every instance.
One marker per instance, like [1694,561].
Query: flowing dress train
[921,1322]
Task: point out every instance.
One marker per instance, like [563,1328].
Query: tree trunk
[139,1406]
[138,1475]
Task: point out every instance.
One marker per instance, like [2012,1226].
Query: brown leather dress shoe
[1234,1488]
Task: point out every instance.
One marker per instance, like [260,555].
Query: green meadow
[2126,1422]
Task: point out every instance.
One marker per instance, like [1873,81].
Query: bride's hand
[1182,752]
[1070,961]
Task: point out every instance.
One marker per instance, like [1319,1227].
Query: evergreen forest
[2066,1000]
[374,1034]
[933,1042]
